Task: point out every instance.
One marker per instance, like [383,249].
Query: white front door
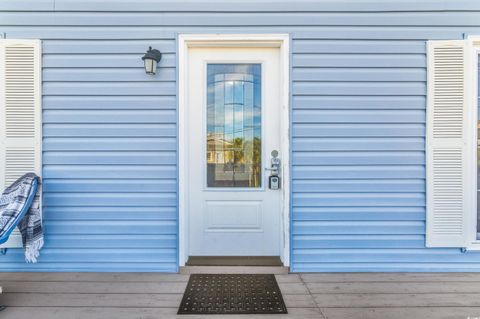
[232,126]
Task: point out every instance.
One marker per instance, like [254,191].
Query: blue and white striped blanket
[12,201]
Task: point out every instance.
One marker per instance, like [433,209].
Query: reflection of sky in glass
[234,125]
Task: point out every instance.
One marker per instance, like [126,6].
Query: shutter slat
[20,108]
[447,151]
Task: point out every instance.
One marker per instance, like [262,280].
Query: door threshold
[276,270]
[255,261]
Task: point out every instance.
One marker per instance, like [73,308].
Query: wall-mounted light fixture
[150,60]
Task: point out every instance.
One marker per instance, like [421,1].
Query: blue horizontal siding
[387,255]
[111,241]
[359,60]
[357,88]
[349,227]
[359,102]
[358,158]
[358,128]
[100,255]
[358,213]
[355,172]
[105,227]
[370,126]
[358,186]
[300,32]
[113,212]
[358,241]
[358,199]
[220,6]
[110,116]
[112,158]
[358,144]
[102,129]
[105,74]
[104,88]
[101,60]
[130,46]
[355,46]
[109,199]
[358,116]
[360,74]
[109,102]
[110,171]
[109,144]
[240,19]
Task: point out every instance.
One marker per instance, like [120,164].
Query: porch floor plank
[129,313]
[390,277]
[394,287]
[402,313]
[96,277]
[149,295]
[397,300]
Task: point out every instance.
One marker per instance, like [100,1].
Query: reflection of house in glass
[234,125]
[233,163]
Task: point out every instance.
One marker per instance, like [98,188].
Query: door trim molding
[187,41]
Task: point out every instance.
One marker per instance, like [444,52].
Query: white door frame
[186,41]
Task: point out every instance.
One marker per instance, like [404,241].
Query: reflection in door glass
[234,125]
[478,154]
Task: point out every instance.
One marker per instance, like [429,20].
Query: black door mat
[232,294]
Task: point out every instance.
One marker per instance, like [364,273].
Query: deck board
[129,313]
[397,300]
[394,287]
[402,313]
[150,295]
[95,277]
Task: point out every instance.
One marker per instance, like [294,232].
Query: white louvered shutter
[20,112]
[447,152]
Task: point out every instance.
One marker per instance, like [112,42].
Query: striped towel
[12,201]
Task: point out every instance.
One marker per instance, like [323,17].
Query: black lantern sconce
[150,60]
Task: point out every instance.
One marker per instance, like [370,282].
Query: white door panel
[233,123]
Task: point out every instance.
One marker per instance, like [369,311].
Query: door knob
[274,179]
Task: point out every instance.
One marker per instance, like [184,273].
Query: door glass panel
[234,156]
[478,152]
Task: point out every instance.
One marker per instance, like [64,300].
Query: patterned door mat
[232,294]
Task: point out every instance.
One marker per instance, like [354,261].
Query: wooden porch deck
[152,295]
